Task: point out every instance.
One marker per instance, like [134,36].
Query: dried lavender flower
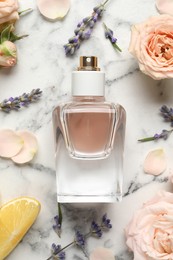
[58,221]
[57,225]
[109,35]
[57,252]
[84,29]
[7,105]
[167,114]
[96,229]
[79,240]
[163,135]
[106,222]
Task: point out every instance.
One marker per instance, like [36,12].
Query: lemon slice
[16,217]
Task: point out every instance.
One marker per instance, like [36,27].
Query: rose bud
[8,54]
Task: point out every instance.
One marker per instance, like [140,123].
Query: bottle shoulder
[88,105]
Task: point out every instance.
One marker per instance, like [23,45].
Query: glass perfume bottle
[89,137]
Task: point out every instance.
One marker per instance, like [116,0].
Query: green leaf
[5,34]
[14,37]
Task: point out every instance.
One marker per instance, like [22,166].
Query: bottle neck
[88,98]
[88,83]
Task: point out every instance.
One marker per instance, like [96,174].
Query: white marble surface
[42,64]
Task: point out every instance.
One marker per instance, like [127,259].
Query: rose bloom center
[163,235]
[160,47]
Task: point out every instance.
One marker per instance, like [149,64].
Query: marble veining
[42,64]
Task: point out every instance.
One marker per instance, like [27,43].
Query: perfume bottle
[89,140]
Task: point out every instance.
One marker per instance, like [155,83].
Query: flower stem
[70,244]
[164,135]
[105,2]
[25,11]
[147,139]
[116,47]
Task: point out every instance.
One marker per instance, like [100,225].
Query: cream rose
[152,44]
[8,11]
[150,233]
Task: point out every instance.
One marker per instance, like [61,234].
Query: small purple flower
[95,17]
[164,134]
[113,40]
[109,35]
[91,24]
[74,39]
[57,225]
[167,113]
[83,30]
[106,222]
[86,19]
[88,34]
[80,24]
[67,48]
[57,252]
[11,99]
[96,229]
[79,239]
[99,9]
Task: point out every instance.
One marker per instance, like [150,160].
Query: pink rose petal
[155,162]
[53,9]
[29,149]
[165,6]
[10,143]
[101,253]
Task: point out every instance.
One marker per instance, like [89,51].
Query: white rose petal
[165,6]
[155,162]
[53,9]
[101,253]
[29,149]
[10,143]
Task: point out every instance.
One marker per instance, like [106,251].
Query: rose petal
[29,148]
[165,6]
[155,162]
[10,143]
[101,253]
[53,9]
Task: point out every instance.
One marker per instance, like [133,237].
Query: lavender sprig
[109,34]
[167,114]
[58,221]
[163,135]
[84,29]
[57,252]
[7,105]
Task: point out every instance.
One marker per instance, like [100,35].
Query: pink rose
[152,44]
[8,54]
[8,11]
[150,233]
